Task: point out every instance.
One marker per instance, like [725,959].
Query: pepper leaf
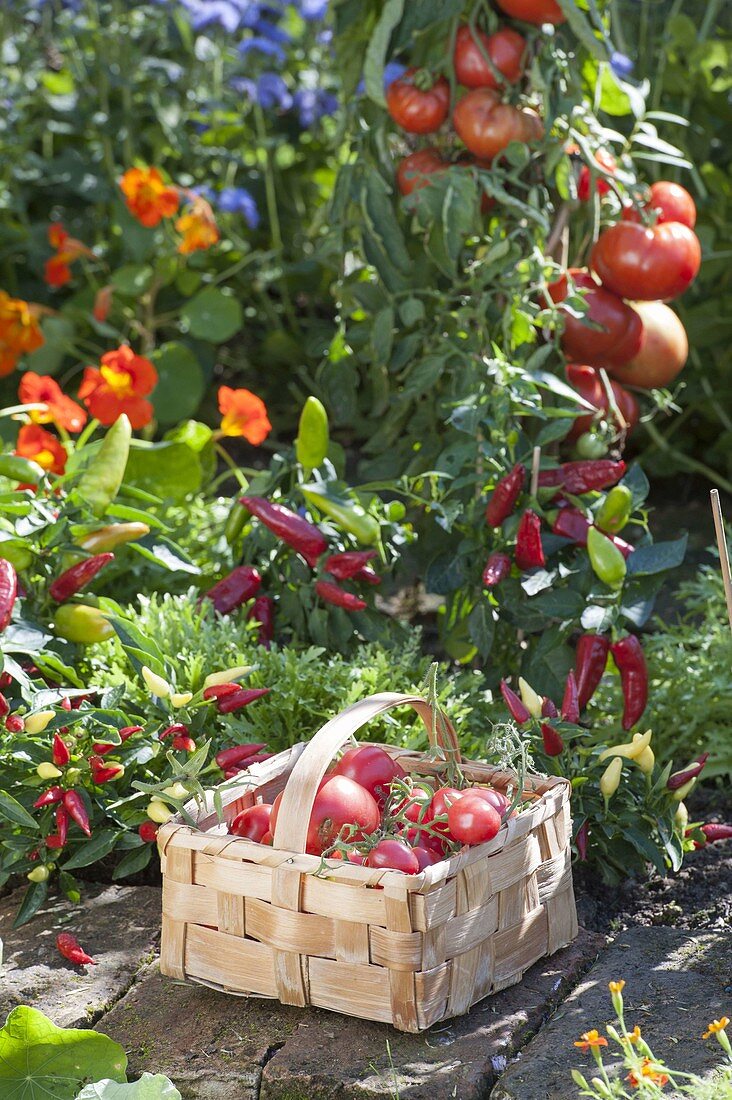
[658,558]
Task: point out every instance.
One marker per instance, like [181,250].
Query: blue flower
[392,71]
[264,45]
[312,104]
[621,65]
[313,9]
[237,200]
[269,91]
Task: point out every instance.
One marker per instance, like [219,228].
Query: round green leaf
[180,385]
[131,280]
[58,332]
[213,315]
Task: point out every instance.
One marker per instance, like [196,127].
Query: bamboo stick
[723,551]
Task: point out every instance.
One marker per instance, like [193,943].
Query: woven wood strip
[518,947]
[230,962]
[356,990]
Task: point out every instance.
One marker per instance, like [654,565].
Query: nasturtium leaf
[169,469]
[132,280]
[39,1061]
[150,1087]
[58,333]
[375,60]
[213,315]
[180,385]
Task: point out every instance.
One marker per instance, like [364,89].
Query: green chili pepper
[606,560]
[348,516]
[235,522]
[21,469]
[100,482]
[17,553]
[311,445]
[615,510]
[82,623]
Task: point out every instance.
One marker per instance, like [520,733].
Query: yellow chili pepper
[610,779]
[681,818]
[176,791]
[179,699]
[156,685]
[47,770]
[530,699]
[681,793]
[158,812]
[38,874]
[226,676]
[646,760]
[631,750]
[36,723]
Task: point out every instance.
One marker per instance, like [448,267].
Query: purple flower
[392,71]
[312,104]
[264,45]
[621,65]
[268,91]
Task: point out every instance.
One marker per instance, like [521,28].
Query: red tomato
[418,838]
[425,857]
[671,202]
[340,801]
[443,798]
[415,110]
[268,839]
[415,170]
[647,263]
[473,820]
[487,126]
[372,768]
[505,49]
[413,806]
[393,853]
[588,384]
[663,351]
[494,798]
[606,161]
[252,823]
[533,11]
[610,331]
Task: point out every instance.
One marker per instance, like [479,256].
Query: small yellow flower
[591,1040]
[616,987]
[715,1026]
[634,1035]
[651,1071]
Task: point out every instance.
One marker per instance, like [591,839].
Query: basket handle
[293,817]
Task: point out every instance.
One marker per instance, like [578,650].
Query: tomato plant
[610,330]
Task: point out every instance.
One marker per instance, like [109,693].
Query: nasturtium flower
[120,385]
[36,443]
[198,229]
[716,1026]
[616,987]
[649,1070]
[591,1040]
[102,303]
[148,197]
[634,1035]
[41,389]
[243,413]
[57,269]
[20,332]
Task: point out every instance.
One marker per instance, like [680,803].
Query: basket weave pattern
[408,950]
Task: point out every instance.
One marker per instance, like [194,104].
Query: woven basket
[408,950]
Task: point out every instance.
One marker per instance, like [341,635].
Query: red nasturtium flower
[36,443]
[41,389]
[148,197]
[197,226]
[120,385]
[243,413]
[57,270]
[20,332]
[103,303]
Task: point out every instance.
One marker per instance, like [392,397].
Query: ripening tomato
[671,203]
[505,49]
[496,799]
[533,11]
[588,384]
[663,350]
[608,163]
[610,331]
[442,799]
[252,823]
[487,126]
[419,838]
[372,768]
[393,853]
[648,264]
[417,110]
[426,857]
[340,802]
[415,805]
[414,171]
[472,820]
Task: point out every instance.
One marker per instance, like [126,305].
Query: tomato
[372,768]
[418,838]
[592,445]
[339,802]
[418,111]
[663,351]
[533,11]
[415,805]
[268,839]
[505,49]
[472,820]
[425,857]
[494,798]
[606,161]
[252,823]
[415,170]
[441,800]
[617,337]
[393,853]
[647,263]
[588,384]
[487,126]
[670,201]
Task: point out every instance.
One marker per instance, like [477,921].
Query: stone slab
[119,926]
[675,984]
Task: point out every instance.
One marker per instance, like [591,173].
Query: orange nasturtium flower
[120,385]
[616,987]
[634,1035]
[20,332]
[716,1026]
[36,443]
[57,270]
[41,389]
[103,303]
[243,413]
[591,1040]
[198,227]
[148,197]
[651,1072]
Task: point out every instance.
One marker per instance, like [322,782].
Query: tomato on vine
[372,768]
[414,171]
[588,384]
[647,263]
[505,49]
[669,201]
[610,331]
[663,350]
[533,11]
[487,126]
[415,104]
[472,820]
[395,854]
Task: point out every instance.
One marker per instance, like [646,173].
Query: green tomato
[591,445]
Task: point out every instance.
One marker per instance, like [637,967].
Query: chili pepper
[156,685]
[173,731]
[497,568]
[610,778]
[61,754]
[631,750]
[348,516]
[681,778]
[148,831]
[17,553]
[112,536]
[715,830]
[220,691]
[570,523]
[225,676]
[69,947]
[313,437]
[570,702]
[631,664]
[553,743]
[529,552]
[682,792]
[14,723]
[516,708]
[239,699]
[367,574]
[235,522]
[590,661]
[180,699]
[101,480]
[615,510]
[227,758]
[62,829]
[334,594]
[262,612]
[304,537]
[82,623]
[505,495]
[103,747]
[606,560]
[646,760]
[66,703]
[24,470]
[37,722]
[39,874]
[583,477]
[76,578]
[531,700]
[4,704]
[581,839]
[49,797]
[681,817]
[182,742]
[46,770]
[158,812]
[104,774]
[8,592]
[234,589]
[348,564]
[76,807]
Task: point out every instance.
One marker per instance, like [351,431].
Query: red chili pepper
[505,495]
[529,552]
[516,708]
[589,665]
[262,612]
[570,702]
[583,477]
[14,724]
[76,578]
[104,774]
[8,592]
[239,699]
[228,758]
[65,703]
[6,680]
[237,769]
[182,742]
[69,947]
[58,839]
[235,589]
[631,664]
[220,691]
[681,778]
[367,574]
[148,831]
[715,830]
[571,524]
[172,731]
[334,594]
[103,747]
[74,803]
[497,568]
[49,797]
[61,753]
[4,706]
[583,835]
[553,743]
[348,564]
[304,537]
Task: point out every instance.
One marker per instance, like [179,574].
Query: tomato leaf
[373,68]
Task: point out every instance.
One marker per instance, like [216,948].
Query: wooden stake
[535,460]
[723,551]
